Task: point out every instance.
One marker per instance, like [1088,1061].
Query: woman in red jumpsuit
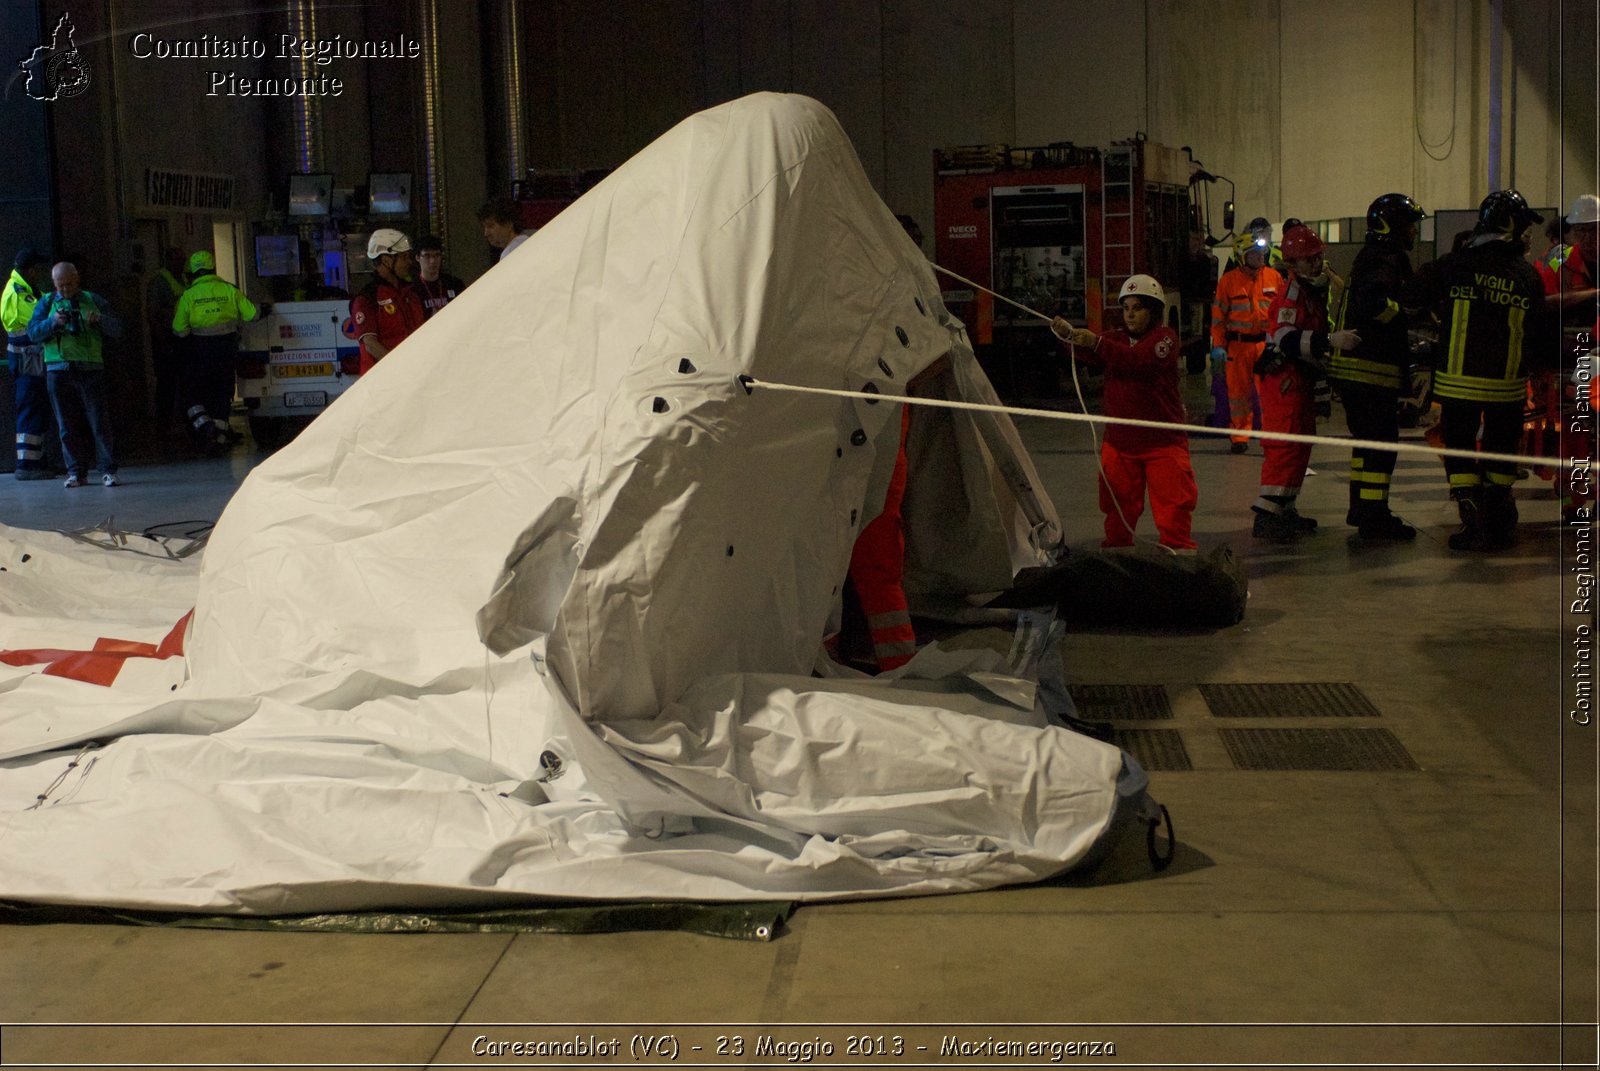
[1142,364]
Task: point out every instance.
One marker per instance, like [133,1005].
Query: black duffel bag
[1143,589]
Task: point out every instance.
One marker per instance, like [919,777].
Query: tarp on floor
[535,607]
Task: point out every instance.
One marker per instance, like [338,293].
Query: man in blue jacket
[69,324]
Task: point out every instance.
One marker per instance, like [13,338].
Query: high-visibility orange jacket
[1239,320]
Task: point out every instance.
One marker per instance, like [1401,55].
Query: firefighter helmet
[387,240]
[1506,212]
[202,261]
[1301,242]
[1390,215]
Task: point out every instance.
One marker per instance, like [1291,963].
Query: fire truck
[1059,229]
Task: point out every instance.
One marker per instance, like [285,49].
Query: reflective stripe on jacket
[1492,305]
[1242,305]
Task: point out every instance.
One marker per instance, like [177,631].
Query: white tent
[535,608]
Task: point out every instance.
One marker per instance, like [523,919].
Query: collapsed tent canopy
[553,523]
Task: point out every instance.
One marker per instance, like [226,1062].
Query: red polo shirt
[389,312]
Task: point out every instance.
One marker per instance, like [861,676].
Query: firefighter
[1297,355]
[1142,362]
[1239,328]
[1368,376]
[1494,321]
[25,359]
[209,315]
[388,308]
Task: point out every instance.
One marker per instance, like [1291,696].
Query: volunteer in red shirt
[388,308]
[1141,363]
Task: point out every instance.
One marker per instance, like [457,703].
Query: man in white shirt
[499,219]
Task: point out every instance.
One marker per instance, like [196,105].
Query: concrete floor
[1441,915]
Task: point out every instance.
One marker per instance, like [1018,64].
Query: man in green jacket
[209,314]
[69,324]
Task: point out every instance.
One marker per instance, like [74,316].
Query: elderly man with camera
[69,323]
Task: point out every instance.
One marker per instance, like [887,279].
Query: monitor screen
[310,195]
[277,254]
[389,193]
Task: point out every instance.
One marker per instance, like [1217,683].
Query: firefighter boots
[1380,525]
[1471,535]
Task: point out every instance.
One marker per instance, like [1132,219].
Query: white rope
[1094,418]
[992,293]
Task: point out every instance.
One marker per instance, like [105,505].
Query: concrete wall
[1311,109]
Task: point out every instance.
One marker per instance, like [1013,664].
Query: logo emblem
[58,70]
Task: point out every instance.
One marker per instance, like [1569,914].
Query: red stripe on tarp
[101,664]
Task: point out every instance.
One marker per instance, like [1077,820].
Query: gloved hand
[1344,341]
[1219,361]
[1077,336]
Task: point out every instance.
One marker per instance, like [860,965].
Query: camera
[74,322]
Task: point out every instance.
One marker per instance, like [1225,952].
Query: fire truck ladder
[1116,217]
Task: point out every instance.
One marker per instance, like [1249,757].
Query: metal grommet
[858,437]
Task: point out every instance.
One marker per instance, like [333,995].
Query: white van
[293,362]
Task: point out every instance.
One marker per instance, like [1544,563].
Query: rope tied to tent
[751,383]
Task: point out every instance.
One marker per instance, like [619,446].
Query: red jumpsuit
[1239,325]
[1299,331]
[1142,383]
[877,564]
[1569,273]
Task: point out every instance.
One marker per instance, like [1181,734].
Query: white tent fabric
[535,607]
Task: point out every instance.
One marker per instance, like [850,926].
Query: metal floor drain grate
[1287,701]
[1316,749]
[1156,749]
[1114,702]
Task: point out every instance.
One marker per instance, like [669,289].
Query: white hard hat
[1143,286]
[1586,209]
[387,240]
